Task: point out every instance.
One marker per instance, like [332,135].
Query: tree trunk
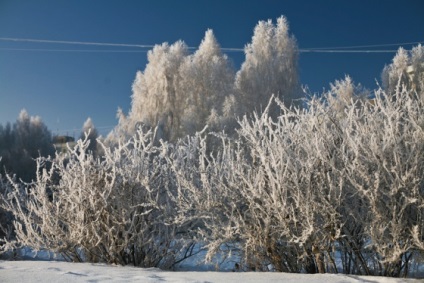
[319,258]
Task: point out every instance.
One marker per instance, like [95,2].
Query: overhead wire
[344,51]
[367,46]
[74,42]
[74,50]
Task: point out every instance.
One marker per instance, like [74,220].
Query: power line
[74,42]
[344,51]
[92,44]
[82,43]
[74,50]
[340,49]
[367,46]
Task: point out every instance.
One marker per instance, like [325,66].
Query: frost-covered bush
[117,209]
[263,194]
[314,190]
[332,185]
[6,219]
[386,168]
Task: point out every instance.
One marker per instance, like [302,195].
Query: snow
[59,271]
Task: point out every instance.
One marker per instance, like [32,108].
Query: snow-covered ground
[59,271]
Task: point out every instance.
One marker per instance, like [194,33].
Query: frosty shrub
[6,226]
[207,192]
[386,165]
[261,193]
[117,209]
[324,189]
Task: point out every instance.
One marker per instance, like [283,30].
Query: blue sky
[65,88]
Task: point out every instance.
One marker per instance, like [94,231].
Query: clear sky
[66,87]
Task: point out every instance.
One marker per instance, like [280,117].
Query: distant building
[62,139]
[60,143]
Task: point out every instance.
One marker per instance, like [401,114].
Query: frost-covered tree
[90,131]
[32,139]
[123,131]
[6,144]
[157,100]
[406,69]
[207,80]
[417,69]
[21,143]
[270,67]
[180,94]
[395,74]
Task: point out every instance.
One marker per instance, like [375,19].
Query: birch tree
[157,100]
[207,81]
[406,70]
[270,67]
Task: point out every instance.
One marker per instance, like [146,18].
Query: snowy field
[56,271]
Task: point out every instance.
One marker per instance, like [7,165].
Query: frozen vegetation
[329,184]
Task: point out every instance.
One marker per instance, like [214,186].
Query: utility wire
[367,46]
[340,49]
[74,42]
[74,50]
[344,51]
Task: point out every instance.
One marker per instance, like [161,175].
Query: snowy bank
[54,271]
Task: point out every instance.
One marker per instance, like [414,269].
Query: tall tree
[270,67]
[406,69]
[6,144]
[28,139]
[156,99]
[207,79]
